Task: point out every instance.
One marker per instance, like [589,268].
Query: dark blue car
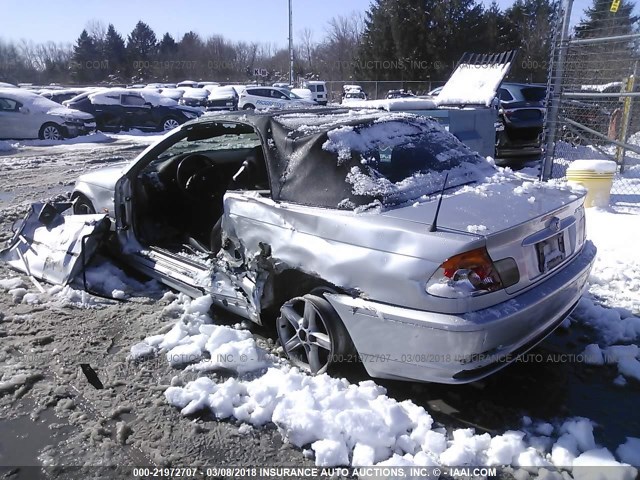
[118,109]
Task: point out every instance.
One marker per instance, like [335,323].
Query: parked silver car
[367,236]
[25,115]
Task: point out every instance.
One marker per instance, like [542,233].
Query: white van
[318,90]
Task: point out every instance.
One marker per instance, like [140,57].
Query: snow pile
[97,137]
[611,307]
[615,278]
[196,342]
[102,277]
[6,146]
[340,422]
[629,452]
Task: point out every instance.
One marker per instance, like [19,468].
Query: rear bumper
[399,343]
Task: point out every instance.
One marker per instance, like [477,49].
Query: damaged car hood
[104,178]
[489,207]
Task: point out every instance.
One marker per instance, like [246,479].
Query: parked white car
[353,96]
[26,114]
[270,97]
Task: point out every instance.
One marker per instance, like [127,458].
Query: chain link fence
[594,93]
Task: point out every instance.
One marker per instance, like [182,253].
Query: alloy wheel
[303,329]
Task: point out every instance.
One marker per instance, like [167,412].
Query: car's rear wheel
[312,335]
[169,124]
[83,205]
[249,106]
[50,131]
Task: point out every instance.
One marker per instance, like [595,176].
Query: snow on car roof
[30,99]
[222,92]
[194,92]
[111,96]
[62,91]
[308,122]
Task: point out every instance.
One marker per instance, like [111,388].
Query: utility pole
[290,43]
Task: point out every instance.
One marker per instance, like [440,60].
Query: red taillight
[469,273]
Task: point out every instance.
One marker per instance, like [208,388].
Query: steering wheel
[190,174]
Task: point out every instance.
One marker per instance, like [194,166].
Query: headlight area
[190,115]
[471,274]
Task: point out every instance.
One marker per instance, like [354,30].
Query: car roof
[299,122]
[292,135]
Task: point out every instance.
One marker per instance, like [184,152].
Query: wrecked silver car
[366,236]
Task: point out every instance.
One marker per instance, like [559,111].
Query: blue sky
[249,20]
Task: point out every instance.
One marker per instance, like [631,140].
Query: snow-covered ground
[222,369]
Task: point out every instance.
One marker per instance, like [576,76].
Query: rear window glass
[391,163]
[132,100]
[534,94]
[321,88]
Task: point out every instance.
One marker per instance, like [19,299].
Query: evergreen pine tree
[142,48]
[529,27]
[167,46]
[604,62]
[85,54]
[114,52]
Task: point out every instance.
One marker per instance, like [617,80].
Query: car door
[17,121]
[137,112]
[8,118]
[278,98]
[188,277]
[109,115]
[263,97]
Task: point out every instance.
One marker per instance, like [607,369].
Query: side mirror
[23,110]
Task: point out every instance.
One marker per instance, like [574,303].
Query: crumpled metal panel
[389,261]
[49,247]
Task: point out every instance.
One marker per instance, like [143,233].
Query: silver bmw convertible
[366,236]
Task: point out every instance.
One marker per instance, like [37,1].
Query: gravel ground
[59,418]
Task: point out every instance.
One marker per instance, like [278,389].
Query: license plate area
[551,252]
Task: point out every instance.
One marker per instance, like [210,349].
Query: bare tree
[307,47]
[97,30]
[338,50]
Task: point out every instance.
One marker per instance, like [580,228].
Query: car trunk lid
[539,226]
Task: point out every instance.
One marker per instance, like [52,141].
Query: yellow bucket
[596,176]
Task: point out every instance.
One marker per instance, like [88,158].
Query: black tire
[50,131]
[83,205]
[249,106]
[326,335]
